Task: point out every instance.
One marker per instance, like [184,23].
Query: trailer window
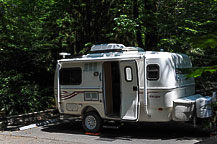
[153,72]
[128,74]
[70,76]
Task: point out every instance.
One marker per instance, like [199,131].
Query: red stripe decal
[66,95]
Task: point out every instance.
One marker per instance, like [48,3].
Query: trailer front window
[70,76]
[153,72]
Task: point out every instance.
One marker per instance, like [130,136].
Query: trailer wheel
[92,122]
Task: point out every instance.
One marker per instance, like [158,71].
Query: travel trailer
[127,84]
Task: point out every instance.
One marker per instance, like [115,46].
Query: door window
[128,74]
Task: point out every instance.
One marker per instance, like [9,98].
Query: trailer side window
[70,76]
[128,74]
[153,72]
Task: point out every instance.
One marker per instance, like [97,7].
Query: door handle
[135,88]
[100,76]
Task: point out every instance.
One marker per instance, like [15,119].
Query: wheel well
[89,109]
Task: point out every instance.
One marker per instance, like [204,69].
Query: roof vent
[133,49]
[64,54]
[107,47]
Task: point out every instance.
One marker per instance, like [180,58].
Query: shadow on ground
[164,131]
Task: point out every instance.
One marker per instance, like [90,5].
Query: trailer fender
[89,109]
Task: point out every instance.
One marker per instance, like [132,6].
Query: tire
[91,122]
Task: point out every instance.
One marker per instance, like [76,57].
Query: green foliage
[204,47]
[205,41]
[125,25]
[196,72]
[20,95]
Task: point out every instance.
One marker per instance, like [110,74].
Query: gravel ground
[10,139]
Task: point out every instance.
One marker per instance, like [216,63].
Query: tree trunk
[151,37]
[138,29]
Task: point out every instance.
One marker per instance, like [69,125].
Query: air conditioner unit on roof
[104,47]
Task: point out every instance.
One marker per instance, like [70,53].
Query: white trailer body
[125,84]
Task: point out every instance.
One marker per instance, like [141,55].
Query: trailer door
[129,90]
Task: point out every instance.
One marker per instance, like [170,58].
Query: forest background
[34,32]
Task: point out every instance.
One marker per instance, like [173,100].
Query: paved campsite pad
[10,139]
[72,132]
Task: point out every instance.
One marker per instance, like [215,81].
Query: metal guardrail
[32,117]
[16,121]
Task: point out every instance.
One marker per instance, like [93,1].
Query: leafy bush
[18,95]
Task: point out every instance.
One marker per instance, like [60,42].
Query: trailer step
[111,126]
